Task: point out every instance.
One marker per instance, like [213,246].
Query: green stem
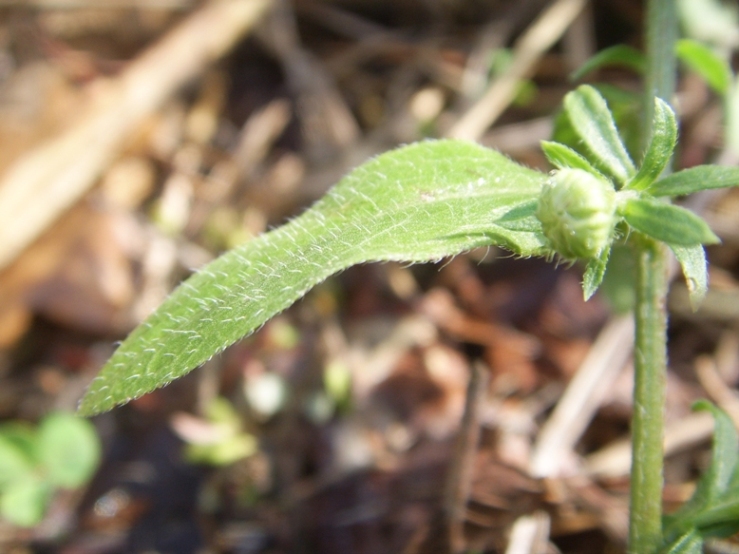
[661,35]
[645,531]
[650,354]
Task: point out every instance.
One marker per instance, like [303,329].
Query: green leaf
[661,146]
[668,223]
[23,436]
[562,156]
[15,464]
[625,107]
[724,458]
[719,519]
[69,449]
[418,203]
[620,54]
[618,283]
[689,543]
[706,63]
[593,123]
[706,508]
[25,502]
[594,272]
[693,262]
[701,177]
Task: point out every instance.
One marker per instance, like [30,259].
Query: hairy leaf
[594,272]
[592,121]
[418,203]
[693,262]
[562,156]
[661,145]
[700,177]
[668,223]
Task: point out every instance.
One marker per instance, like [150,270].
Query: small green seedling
[62,452]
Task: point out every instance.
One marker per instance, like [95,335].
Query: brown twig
[44,183]
[459,479]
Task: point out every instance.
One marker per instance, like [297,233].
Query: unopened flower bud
[577,213]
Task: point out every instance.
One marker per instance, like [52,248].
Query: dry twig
[47,181]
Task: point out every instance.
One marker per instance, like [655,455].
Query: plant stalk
[650,361]
[661,27]
[650,353]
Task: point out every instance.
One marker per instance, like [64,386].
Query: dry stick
[459,479]
[717,389]
[583,396]
[98,5]
[614,460]
[530,534]
[40,186]
[539,37]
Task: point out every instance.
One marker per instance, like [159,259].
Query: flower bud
[577,213]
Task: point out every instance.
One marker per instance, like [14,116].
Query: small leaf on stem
[693,262]
[592,120]
[594,272]
[661,145]
[563,157]
[694,179]
[668,223]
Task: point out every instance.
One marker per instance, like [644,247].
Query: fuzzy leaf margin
[593,122]
[418,203]
[694,179]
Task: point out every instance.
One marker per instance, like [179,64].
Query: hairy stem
[650,356]
[645,531]
[661,35]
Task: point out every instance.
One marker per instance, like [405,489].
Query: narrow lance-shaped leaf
[661,145]
[694,179]
[594,273]
[693,262]
[668,223]
[562,156]
[418,203]
[592,121]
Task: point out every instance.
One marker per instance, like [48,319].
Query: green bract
[576,210]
